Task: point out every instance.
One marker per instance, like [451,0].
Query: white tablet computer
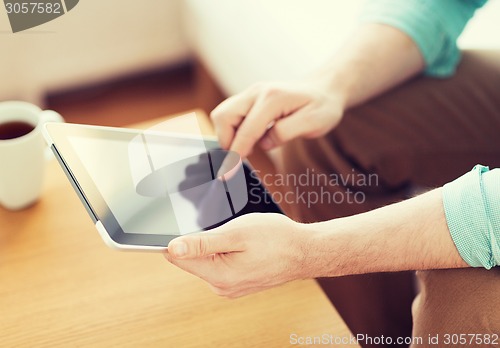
[142,189]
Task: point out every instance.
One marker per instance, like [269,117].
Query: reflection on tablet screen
[150,191]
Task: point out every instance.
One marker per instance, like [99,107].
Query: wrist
[331,88]
[321,250]
[332,80]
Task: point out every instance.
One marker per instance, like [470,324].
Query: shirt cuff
[472,209]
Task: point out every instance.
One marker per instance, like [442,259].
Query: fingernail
[179,249]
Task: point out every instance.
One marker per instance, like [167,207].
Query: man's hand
[271,114]
[376,58]
[248,254]
[259,251]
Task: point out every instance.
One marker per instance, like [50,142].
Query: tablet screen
[157,185]
[107,162]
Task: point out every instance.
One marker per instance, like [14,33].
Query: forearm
[376,58]
[410,235]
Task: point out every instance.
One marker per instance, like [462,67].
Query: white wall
[482,30]
[240,41]
[244,41]
[96,40]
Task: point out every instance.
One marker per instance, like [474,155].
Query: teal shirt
[434,25]
[472,209]
[472,202]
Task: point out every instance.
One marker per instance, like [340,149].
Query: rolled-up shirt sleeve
[433,25]
[472,209]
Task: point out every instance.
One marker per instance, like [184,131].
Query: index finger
[228,115]
[263,112]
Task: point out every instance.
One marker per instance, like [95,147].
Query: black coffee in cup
[14,129]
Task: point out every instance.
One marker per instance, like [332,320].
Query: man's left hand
[248,254]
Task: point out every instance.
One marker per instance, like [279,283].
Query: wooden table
[61,286]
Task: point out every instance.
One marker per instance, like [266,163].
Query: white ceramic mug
[23,152]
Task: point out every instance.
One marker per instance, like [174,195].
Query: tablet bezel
[58,134]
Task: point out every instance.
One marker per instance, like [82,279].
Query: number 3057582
[33,7]
[470,339]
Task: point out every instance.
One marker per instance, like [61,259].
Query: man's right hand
[376,58]
[271,114]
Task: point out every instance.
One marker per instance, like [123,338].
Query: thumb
[203,244]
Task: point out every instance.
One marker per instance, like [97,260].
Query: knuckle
[202,246]
[270,92]
[216,115]
[223,110]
